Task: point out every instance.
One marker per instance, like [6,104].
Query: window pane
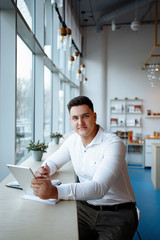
[24,118]
[48,28]
[47,102]
[61,108]
[26,8]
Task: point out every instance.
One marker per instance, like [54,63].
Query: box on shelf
[114,121]
[123,135]
[134,108]
[117,108]
[138,108]
[130,108]
[130,122]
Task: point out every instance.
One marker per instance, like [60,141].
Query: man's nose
[80,120]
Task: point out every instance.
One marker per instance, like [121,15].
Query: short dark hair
[80,100]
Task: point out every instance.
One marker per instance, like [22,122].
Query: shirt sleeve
[103,179]
[58,158]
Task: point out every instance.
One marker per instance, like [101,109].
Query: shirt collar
[97,139]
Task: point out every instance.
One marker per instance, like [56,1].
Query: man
[106,202]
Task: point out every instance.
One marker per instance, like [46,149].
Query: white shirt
[100,166]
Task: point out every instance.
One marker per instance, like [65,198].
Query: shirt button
[84,150]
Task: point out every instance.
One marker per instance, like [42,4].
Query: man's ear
[95,116]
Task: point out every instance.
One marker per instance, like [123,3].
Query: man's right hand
[43,172]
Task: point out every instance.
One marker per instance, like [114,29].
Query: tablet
[24,176]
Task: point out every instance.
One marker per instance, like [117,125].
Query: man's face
[83,120]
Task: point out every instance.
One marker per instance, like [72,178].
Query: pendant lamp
[68,37]
[76,56]
[83,70]
[61,38]
[85,80]
[71,63]
[79,75]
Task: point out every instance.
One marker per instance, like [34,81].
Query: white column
[39,96]
[96,72]
[55,102]
[7,89]
[67,117]
[39,72]
[39,31]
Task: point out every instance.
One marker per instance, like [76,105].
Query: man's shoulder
[108,136]
[71,137]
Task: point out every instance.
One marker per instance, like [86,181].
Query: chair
[139,215]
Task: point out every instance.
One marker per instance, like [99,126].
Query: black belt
[117,207]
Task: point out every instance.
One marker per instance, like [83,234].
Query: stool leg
[139,235]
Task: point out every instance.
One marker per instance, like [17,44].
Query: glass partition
[61,108]
[24,105]
[48,28]
[26,8]
[47,102]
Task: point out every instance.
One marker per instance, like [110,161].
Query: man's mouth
[81,128]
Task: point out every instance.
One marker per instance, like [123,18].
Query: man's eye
[74,118]
[85,116]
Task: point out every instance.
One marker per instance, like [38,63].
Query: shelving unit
[126,115]
[126,122]
[135,154]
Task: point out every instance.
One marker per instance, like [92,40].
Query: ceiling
[101,13]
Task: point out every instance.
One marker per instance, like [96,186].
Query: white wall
[122,61]
[7,89]
[96,62]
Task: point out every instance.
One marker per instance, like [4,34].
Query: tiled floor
[148,201]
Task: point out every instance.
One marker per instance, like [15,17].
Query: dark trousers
[106,225]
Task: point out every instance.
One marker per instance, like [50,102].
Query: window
[62,59]
[47,102]
[37,100]
[61,108]
[26,8]
[48,28]
[24,107]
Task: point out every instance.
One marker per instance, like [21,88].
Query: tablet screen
[24,176]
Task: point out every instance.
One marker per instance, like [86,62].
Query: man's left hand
[44,189]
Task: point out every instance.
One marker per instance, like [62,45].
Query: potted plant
[37,149]
[56,136]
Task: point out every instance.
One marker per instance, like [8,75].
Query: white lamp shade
[135,25]
[83,70]
[71,63]
[79,75]
[85,80]
[61,39]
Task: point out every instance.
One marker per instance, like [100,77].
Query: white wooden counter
[27,220]
[155,170]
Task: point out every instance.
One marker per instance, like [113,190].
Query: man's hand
[44,189]
[43,172]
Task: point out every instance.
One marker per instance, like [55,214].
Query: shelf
[135,144]
[125,126]
[152,116]
[126,100]
[118,112]
[133,113]
[127,113]
[118,126]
